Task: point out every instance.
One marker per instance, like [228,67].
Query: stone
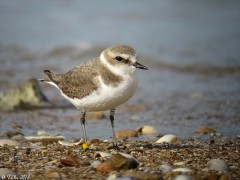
[147,130]
[126,133]
[204,130]
[217,165]
[169,138]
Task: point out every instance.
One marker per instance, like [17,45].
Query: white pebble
[147,130]
[169,138]
[183,177]
[182,170]
[65,143]
[217,165]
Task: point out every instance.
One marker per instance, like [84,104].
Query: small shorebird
[100,84]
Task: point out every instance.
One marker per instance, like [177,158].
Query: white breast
[107,97]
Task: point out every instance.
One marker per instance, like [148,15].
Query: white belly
[107,97]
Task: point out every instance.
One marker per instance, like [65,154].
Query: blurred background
[192,49]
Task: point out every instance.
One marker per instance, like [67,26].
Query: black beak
[140,66]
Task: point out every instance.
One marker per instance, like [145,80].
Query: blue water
[185,32]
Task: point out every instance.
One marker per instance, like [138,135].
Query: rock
[204,130]
[8,142]
[106,167]
[142,175]
[217,165]
[117,162]
[169,138]
[44,138]
[122,162]
[126,133]
[26,95]
[183,177]
[147,130]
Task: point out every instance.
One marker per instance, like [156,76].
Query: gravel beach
[213,159]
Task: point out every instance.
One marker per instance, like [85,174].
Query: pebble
[217,165]
[126,133]
[182,169]
[44,138]
[117,162]
[169,138]
[65,143]
[106,167]
[147,130]
[8,142]
[183,177]
[204,130]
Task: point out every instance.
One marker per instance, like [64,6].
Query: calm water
[169,36]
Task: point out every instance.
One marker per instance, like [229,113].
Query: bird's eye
[119,58]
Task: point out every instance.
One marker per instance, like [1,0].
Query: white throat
[119,70]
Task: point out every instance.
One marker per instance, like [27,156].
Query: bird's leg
[112,113]
[82,121]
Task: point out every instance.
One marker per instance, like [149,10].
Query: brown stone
[106,167]
[123,133]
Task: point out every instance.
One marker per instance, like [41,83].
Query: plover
[100,84]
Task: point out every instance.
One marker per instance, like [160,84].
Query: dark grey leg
[82,121]
[112,113]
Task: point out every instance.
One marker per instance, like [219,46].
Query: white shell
[65,143]
[182,170]
[183,177]
[44,138]
[169,138]
[102,154]
[147,130]
[217,165]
